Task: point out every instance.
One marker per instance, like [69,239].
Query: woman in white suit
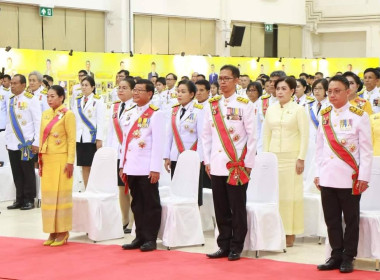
[185,129]
[89,116]
[313,109]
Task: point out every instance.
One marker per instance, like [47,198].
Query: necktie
[298,101]
[183,110]
[122,109]
[85,101]
[319,105]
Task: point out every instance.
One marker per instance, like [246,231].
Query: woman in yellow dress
[56,157]
[286,134]
[375,125]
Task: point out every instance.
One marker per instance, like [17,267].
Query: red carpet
[27,259]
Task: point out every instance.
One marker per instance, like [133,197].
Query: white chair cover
[369,229]
[265,228]
[181,221]
[164,183]
[207,211]
[96,210]
[7,186]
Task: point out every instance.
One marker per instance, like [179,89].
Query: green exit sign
[46,12]
[268,28]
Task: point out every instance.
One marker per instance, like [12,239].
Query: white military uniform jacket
[112,139]
[353,129]
[189,128]
[261,117]
[28,113]
[41,94]
[77,89]
[242,129]
[95,112]
[373,97]
[314,107]
[4,96]
[145,150]
[303,100]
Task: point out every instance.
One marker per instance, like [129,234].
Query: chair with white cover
[96,211]
[7,186]
[369,229]
[265,228]
[164,183]
[207,211]
[181,221]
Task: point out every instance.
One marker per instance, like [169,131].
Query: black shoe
[148,246]
[15,205]
[330,264]
[346,266]
[127,230]
[233,256]
[135,244]
[27,206]
[218,254]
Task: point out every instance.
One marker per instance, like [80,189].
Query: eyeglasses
[225,79]
[335,91]
[139,90]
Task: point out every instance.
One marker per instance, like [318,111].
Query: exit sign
[46,12]
[268,28]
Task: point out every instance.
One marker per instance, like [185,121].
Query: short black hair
[244,75]
[59,90]
[161,80]
[374,71]
[148,85]
[48,78]
[258,87]
[292,83]
[318,73]
[215,84]
[126,72]
[354,76]
[185,78]
[304,74]
[235,71]
[82,72]
[302,82]
[22,78]
[131,82]
[201,75]
[46,83]
[264,77]
[190,86]
[204,83]
[340,78]
[278,73]
[323,82]
[6,76]
[90,80]
[174,76]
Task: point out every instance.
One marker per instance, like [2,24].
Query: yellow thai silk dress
[56,188]
[286,134]
[375,126]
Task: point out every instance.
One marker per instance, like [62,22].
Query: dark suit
[152,74]
[213,77]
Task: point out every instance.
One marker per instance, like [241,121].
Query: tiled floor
[28,224]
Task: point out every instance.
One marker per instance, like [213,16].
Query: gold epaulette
[215,98]
[6,89]
[96,96]
[242,100]
[44,91]
[118,101]
[265,96]
[356,110]
[198,106]
[361,92]
[12,95]
[79,96]
[358,99]
[176,105]
[310,98]
[131,107]
[154,107]
[326,110]
[28,95]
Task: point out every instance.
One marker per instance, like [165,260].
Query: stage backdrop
[64,68]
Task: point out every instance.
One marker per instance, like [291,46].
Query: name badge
[346,125]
